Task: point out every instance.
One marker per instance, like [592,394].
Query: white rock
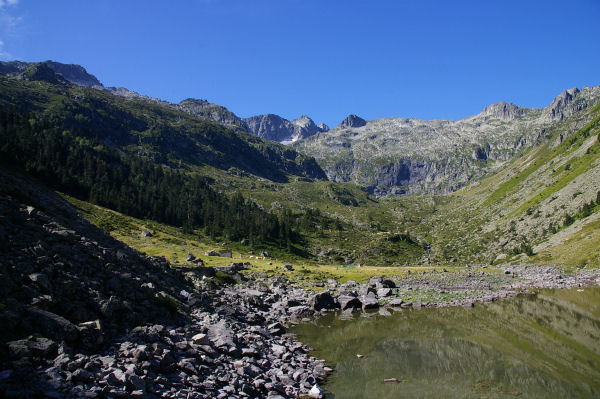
[316,392]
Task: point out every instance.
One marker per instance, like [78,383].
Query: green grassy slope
[540,208]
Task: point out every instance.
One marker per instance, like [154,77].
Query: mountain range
[389,155]
[503,183]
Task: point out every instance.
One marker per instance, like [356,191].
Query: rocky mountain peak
[41,72]
[563,105]
[304,122]
[352,121]
[502,110]
[73,73]
[205,110]
[323,127]
[276,128]
[270,127]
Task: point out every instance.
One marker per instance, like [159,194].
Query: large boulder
[323,301]
[300,312]
[349,302]
[32,347]
[386,283]
[221,335]
[226,253]
[369,302]
[55,326]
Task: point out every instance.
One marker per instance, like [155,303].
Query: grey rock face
[565,104]
[56,326]
[504,111]
[74,74]
[270,127]
[204,109]
[352,121]
[323,127]
[38,347]
[275,128]
[405,155]
[369,302]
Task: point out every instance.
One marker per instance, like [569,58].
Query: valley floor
[85,315]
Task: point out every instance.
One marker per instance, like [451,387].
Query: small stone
[278,350]
[116,378]
[42,280]
[136,383]
[200,339]
[276,329]
[396,302]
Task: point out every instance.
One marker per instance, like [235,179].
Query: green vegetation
[197,185]
[134,185]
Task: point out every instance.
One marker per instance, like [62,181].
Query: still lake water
[544,346]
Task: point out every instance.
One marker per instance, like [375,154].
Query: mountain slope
[160,133]
[541,208]
[394,155]
[70,72]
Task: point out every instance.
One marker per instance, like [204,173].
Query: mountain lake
[533,346]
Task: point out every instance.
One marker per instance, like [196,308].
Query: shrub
[168,302]
[568,220]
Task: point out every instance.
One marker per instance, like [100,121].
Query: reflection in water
[530,347]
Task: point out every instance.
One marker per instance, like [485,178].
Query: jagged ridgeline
[141,158]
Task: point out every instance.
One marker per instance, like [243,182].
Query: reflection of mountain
[537,347]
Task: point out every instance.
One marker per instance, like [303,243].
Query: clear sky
[324,58]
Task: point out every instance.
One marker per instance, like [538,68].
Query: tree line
[86,168]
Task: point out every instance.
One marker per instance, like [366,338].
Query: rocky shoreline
[83,315]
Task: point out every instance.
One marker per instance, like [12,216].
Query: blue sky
[324,58]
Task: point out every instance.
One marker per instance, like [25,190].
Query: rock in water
[324,300]
[316,392]
[349,302]
[369,302]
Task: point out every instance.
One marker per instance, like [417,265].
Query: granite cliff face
[275,128]
[406,155]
